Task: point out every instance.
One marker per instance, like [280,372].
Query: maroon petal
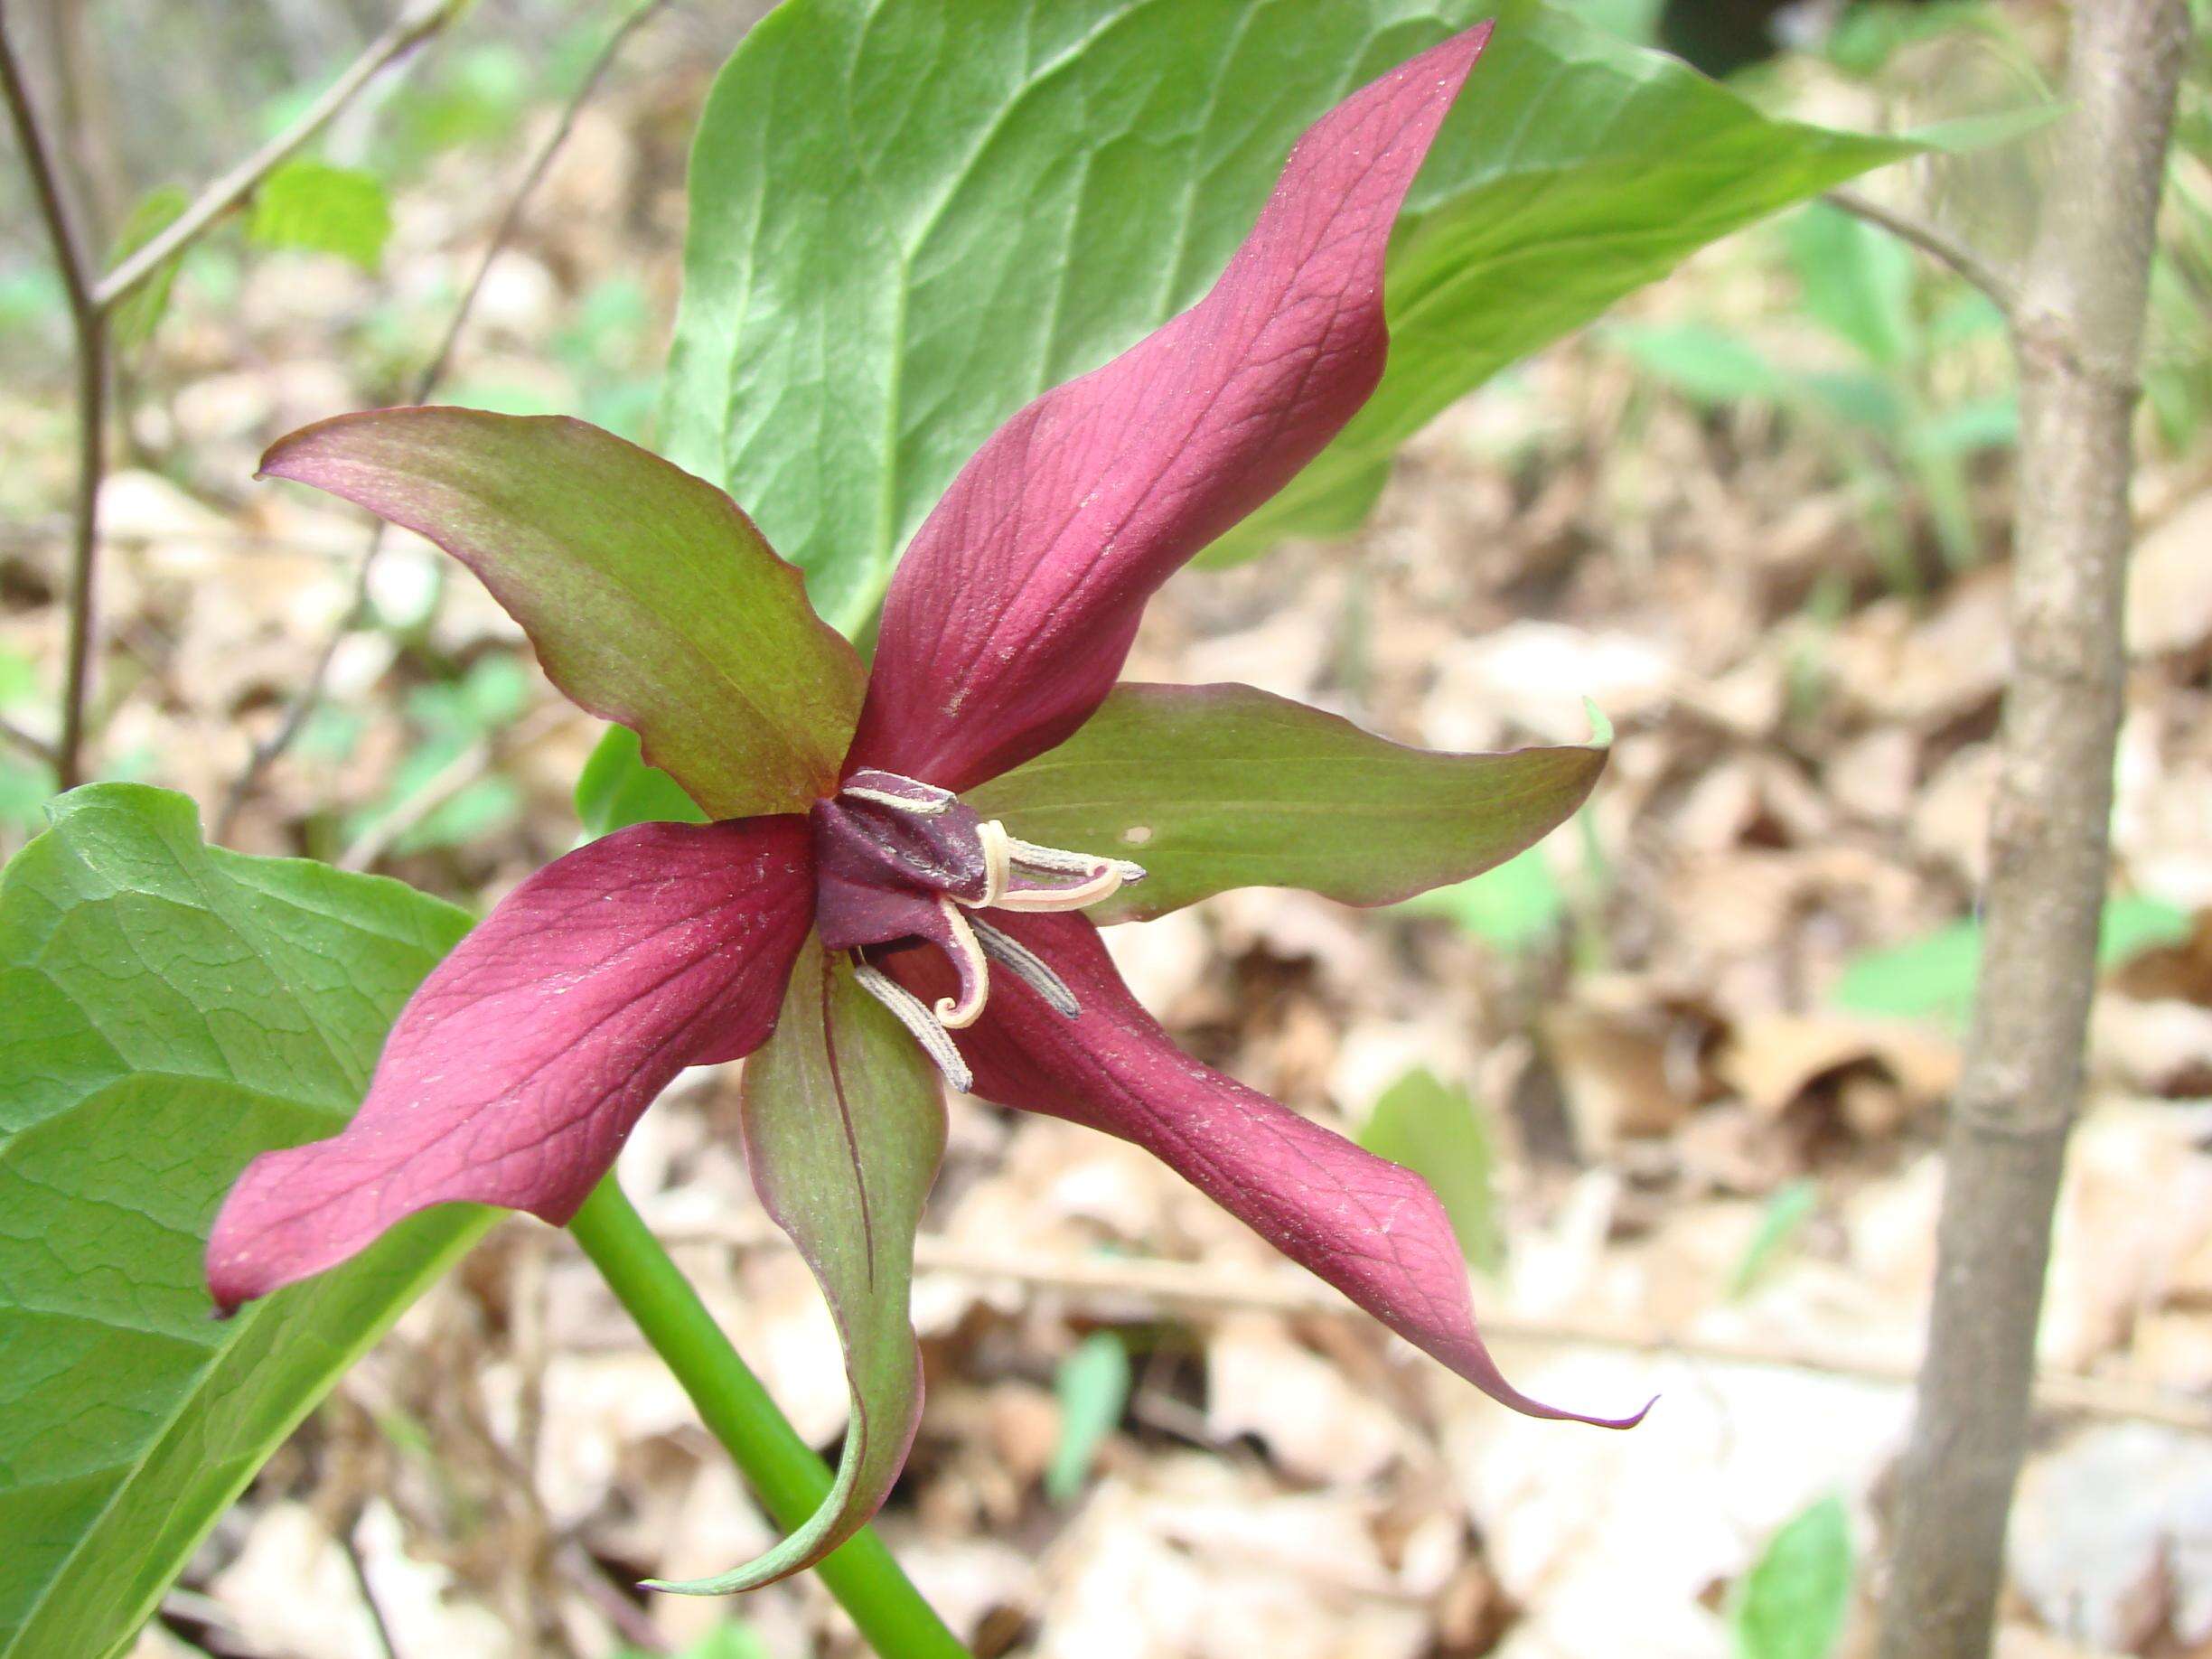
[516,1069]
[1374,1230]
[1014,607]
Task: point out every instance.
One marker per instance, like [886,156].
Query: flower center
[898,859]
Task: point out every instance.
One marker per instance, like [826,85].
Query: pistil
[958,1013]
[900,860]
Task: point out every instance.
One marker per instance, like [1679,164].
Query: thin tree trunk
[84,114]
[2078,332]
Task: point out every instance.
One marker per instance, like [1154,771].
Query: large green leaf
[1213,787]
[617,788]
[844,1125]
[651,598]
[908,217]
[167,1010]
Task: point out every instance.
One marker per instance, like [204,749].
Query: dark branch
[88,324]
[1934,241]
[37,748]
[303,705]
[417,24]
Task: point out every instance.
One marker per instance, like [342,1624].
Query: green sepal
[1215,787]
[843,1126]
[651,597]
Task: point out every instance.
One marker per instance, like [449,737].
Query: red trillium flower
[909,852]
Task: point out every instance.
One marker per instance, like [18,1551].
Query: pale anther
[910,1012]
[1032,970]
[882,797]
[1104,883]
[1056,861]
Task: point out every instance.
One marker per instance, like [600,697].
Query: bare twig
[265,753]
[84,545]
[38,532]
[1158,1282]
[89,326]
[90,304]
[1934,241]
[2077,328]
[414,25]
[37,748]
[45,182]
[630,1622]
[532,177]
[350,1548]
[464,769]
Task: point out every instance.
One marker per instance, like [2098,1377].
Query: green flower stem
[789,1478]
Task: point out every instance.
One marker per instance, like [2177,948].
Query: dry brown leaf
[2158,1048]
[1610,1542]
[2169,583]
[1314,1417]
[1534,675]
[2112,1537]
[2137,1203]
[1614,1066]
[1871,776]
[1894,664]
[1771,1061]
[1199,1561]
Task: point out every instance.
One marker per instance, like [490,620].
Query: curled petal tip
[1505,1394]
[1471,1359]
[1370,1228]
[1630,1421]
[1017,602]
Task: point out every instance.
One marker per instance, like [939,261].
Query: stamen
[1103,883]
[909,1011]
[997,860]
[1025,965]
[1056,861]
[956,1014]
[884,797]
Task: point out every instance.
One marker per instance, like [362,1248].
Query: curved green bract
[1215,787]
[168,1010]
[909,217]
[844,1125]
